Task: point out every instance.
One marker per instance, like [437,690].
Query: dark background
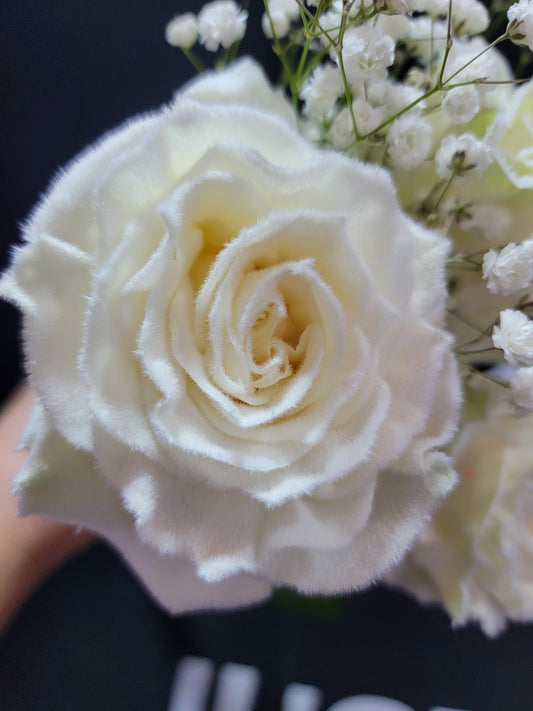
[90,639]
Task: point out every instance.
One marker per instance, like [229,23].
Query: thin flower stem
[193,59]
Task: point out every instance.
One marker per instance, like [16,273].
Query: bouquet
[281,336]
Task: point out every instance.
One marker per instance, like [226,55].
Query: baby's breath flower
[321,90]
[408,141]
[281,13]
[461,156]
[490,221]
[514,336]
[367,52]
[522,390]
[221,22]
[367,117]
[520,27]
[275,23]
[182,31]
[469,17]
[433,8]
[461,104]
[510,269]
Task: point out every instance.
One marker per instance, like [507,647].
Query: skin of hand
[31,547]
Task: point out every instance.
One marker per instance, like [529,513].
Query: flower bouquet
[281,336]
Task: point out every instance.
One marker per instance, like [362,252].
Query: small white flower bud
[221,22]
[514,336]
[461,156]
[509,269]
[182,31]
[461,104]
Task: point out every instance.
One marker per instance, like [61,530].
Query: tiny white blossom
[221,22]
[367,117]
[469,17]
[290,8]
[490,221]
[522,390]
[277,21]
[408,141]
[330,22]
[462,156]
[461,104]
[321,90]
[182,31]
[433,8]
[520,27]
[514,336]
[366,52]
[509,269]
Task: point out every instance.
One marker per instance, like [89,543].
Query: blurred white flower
[275,23]
[509,269]
[461,156]
[477,555]
[408,141]
[490,221]
[522,390]
[221,22]
[461,104]
[182,31]
[469,17]
[514,336]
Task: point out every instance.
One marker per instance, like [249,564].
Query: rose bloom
[237,344]
[477,556]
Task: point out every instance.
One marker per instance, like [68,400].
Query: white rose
[477,555]
[237,343]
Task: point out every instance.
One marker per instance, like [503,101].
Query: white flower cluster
[219,23]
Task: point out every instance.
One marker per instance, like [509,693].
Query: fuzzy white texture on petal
[514,336]
[461,104]
[462,156]
[224,357]
[510,269]
[408,141]
[366,52]
[221,22]
[182,30]
[321,91]
[520,28]
[477,555]
[522,390]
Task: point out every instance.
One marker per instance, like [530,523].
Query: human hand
[31,547]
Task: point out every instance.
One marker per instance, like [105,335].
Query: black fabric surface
[90,639]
